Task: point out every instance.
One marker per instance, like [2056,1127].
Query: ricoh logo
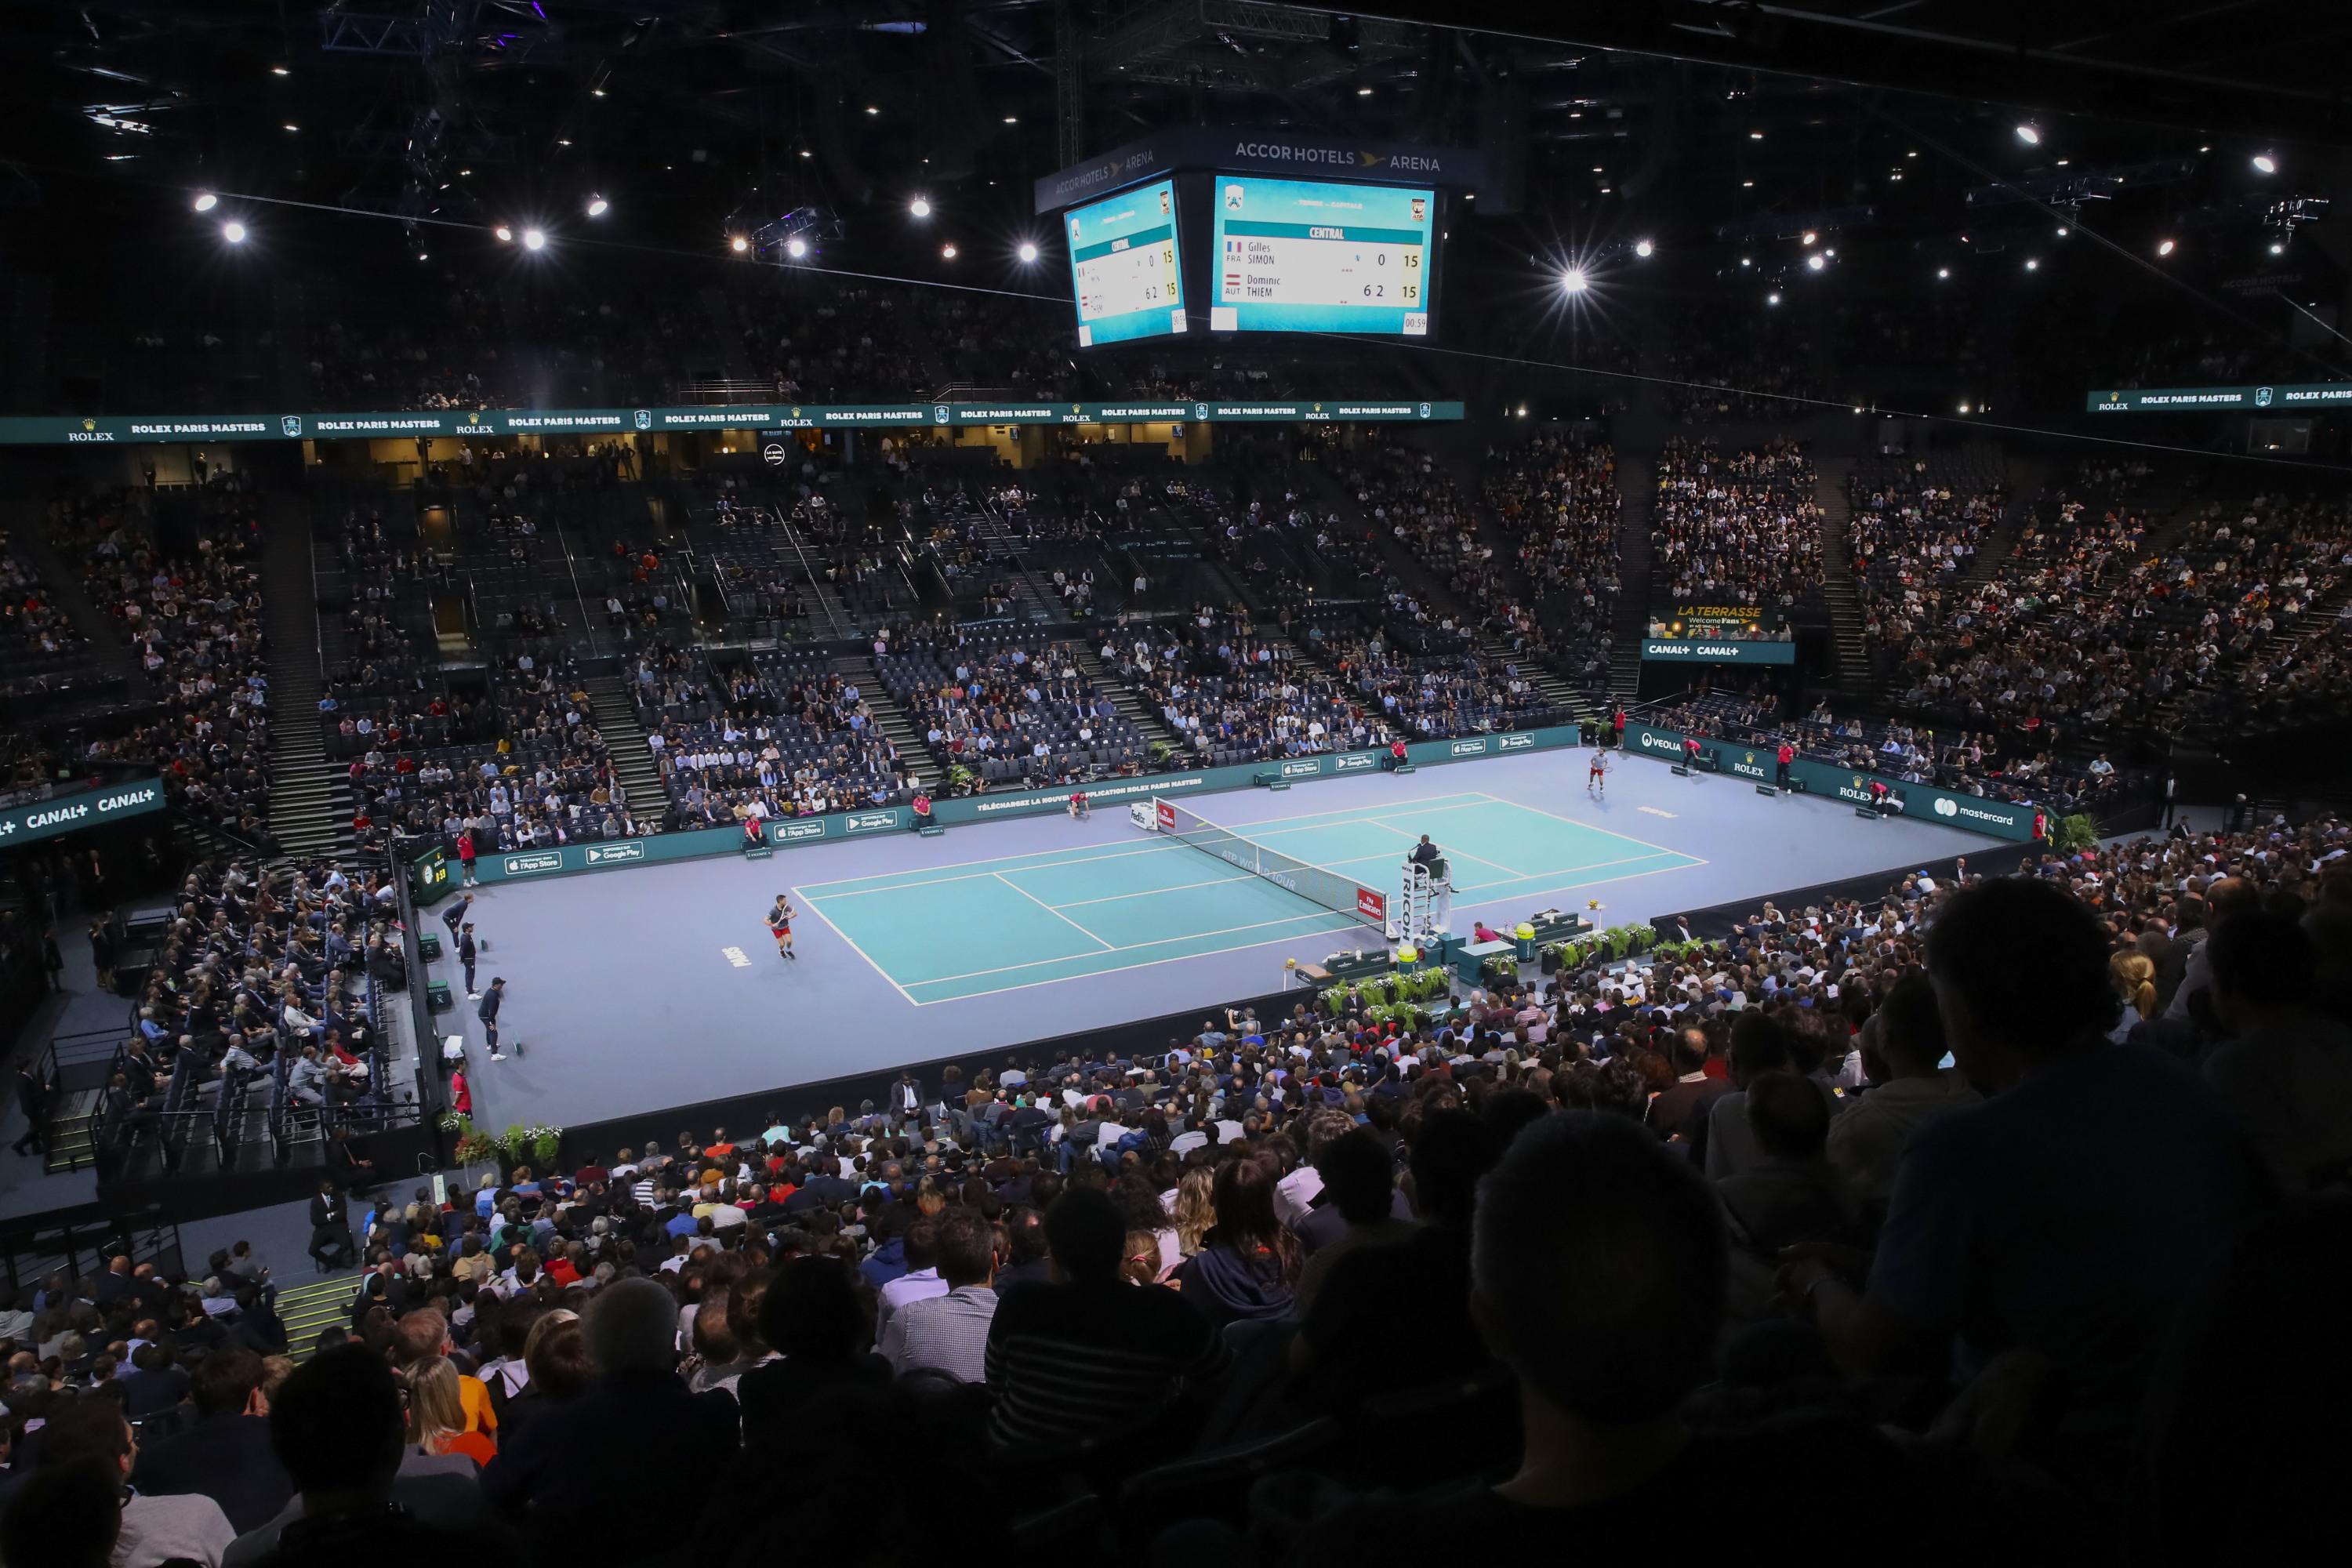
[1354,762]
[1469,748]
[1303,770]
[1948,808]
[795,832]
[1514,742]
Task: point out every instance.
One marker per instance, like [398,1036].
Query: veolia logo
[1655,743]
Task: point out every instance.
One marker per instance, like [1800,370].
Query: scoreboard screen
[1125,266]
[1295,257]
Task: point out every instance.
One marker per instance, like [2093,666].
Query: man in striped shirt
[1087,1353]
[949,1333]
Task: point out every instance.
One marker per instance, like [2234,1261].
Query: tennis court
[945,933]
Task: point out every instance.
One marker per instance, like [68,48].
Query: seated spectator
[1902,1045]
[337,1427]
[2070,1215]
[1088,1354]
[2284,1074]
[949,1333]
[155,1529]
[573,1468]
[1249,1259]
[227,1456]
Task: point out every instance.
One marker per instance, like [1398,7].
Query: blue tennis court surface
[942,933]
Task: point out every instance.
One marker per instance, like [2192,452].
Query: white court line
[1451,853]
[1106,947]
[1047,856]
[1163,941]
[860,952]
[1239,876]
[1589,827]
[1052,859]
[1237,947]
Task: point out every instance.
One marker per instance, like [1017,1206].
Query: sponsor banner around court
[785,832]
[1994,818]
[37,819]
[130,429]
[2205,399]
[1687,650]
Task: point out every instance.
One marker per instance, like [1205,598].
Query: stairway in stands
[1856,681]
[896,726]
[313,1305]
[624,740]
[1130,703]
[1637,481]
[309,800]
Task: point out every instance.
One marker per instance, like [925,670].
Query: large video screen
[1124,264]
[1297,256]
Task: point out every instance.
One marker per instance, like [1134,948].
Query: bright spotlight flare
[506,235]
[1816,261]
[920,207]
[2265,165]
[598,206]
[1644,247]
[534,240]
[2030,134]
[207,201]
[1028,251]
[1574,280]
[234,232]
[738,244]
[796,248]
[2164,247]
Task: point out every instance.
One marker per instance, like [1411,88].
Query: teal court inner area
[966,929]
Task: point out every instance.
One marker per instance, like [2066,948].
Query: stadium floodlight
[738,244]
[505,234]
[2278,248]
[1028,251]
[2164,247]
[2033,263]
[796,248]
[1574,280]
[2029,134]
[598,206]
[1771,299]
[424,256]
[534,240]
[1644,247]
[947,253]
[234,232]
[920,207]
[205,201]
[1964,408]
[1816,262]
[1811,236]
[2264,163]
[1943,274]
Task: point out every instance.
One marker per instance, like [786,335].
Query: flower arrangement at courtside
[538,1145]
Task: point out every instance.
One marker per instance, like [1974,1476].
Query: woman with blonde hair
[1196,1210]
[436,1413]
[2134,978]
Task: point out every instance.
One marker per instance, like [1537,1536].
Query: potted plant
[474,1147]
[546,1143]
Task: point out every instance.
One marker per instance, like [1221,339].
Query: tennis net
[1342,895]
